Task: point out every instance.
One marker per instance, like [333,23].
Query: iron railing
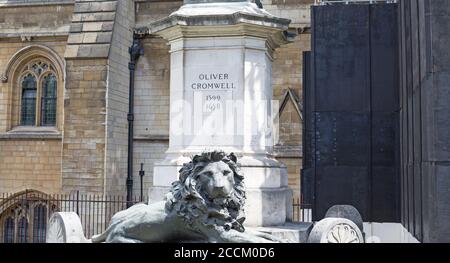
[30,211]
[95,212]
[301,212]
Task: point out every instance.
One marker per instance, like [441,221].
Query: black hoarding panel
[385,139]
[342,185]
[384,206]
[342,138]
[307,111]
[442,229]
[441,107]
[307,183]
[385,167]
[307,175]
[354,98]
[417,200]
[341,36]
[384,57]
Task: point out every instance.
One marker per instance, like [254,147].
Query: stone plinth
[221,98]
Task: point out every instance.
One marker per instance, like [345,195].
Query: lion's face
[210,189]
[216,180]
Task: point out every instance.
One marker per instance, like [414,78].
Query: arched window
[22,231]
[29,89]
[8,230]
[39,86]
[39,224]
[48,114]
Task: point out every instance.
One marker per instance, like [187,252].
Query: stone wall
[23,18]
[30,164]
[9,47]
[152,95]
[28,161]
[117,100]
[84,126]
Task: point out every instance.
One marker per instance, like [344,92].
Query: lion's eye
[209,173]
[226,172]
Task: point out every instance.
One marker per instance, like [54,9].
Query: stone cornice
[219,20]
[4,3]
[35,133]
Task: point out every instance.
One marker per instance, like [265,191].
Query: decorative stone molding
[27,53]
[346,211]
[26,38]
[335,230]
[3,78]
[290,95]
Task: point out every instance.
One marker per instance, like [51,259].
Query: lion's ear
[232,157]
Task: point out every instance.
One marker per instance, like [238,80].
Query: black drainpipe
[135,52]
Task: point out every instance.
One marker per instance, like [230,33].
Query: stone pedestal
[221,98]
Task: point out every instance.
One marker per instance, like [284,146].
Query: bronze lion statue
[204,205]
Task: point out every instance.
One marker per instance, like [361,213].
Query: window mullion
[38,102]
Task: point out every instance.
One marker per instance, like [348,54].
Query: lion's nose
[219,187]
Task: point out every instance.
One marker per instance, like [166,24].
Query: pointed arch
[24,216]
[29,52]
[12,75]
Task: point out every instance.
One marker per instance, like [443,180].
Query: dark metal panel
[417,200]
[384,208]
[307,174]
[341,55]
[384,139]
[384,57]
[385,167]
[442,226]
[441,107]
[409,108]
[440,37]
[342,185]
[403,116]
[355,140]
[342,138]
[307,111]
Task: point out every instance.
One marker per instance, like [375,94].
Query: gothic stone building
[64,96]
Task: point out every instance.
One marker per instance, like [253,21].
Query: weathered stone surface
[335,230]
[294,232]
[65,227]
[346,211]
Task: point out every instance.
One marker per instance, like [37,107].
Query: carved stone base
[297,232]
[264,207]
[65,227]
[335,230]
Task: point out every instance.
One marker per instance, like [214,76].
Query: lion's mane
[192,206]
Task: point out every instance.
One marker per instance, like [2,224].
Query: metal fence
[301,212]
[24,216]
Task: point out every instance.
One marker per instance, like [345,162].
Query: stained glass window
[39,224]
[48,103]
[22,231]
[28,112]
[8,230]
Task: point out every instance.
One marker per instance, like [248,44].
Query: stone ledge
[32,133]
[156,137]
[296,232]
[8,3]
[281,151]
